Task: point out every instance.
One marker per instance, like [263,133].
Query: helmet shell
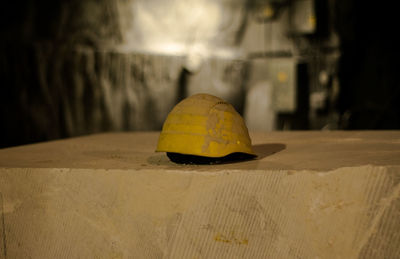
[204,125]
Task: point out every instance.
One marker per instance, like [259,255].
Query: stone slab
[308,195]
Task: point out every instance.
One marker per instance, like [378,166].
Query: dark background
[60,77]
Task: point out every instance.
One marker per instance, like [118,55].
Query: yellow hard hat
[206,126]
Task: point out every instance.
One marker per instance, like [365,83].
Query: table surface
[295,150]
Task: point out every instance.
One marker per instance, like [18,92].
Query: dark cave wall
[368,67]
[67,70]
[52,93]
[89,22]
[61,76]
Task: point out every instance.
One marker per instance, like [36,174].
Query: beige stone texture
[307,195]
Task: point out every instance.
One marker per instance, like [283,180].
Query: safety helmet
[206,126]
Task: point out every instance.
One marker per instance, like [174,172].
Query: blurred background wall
[71,68]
